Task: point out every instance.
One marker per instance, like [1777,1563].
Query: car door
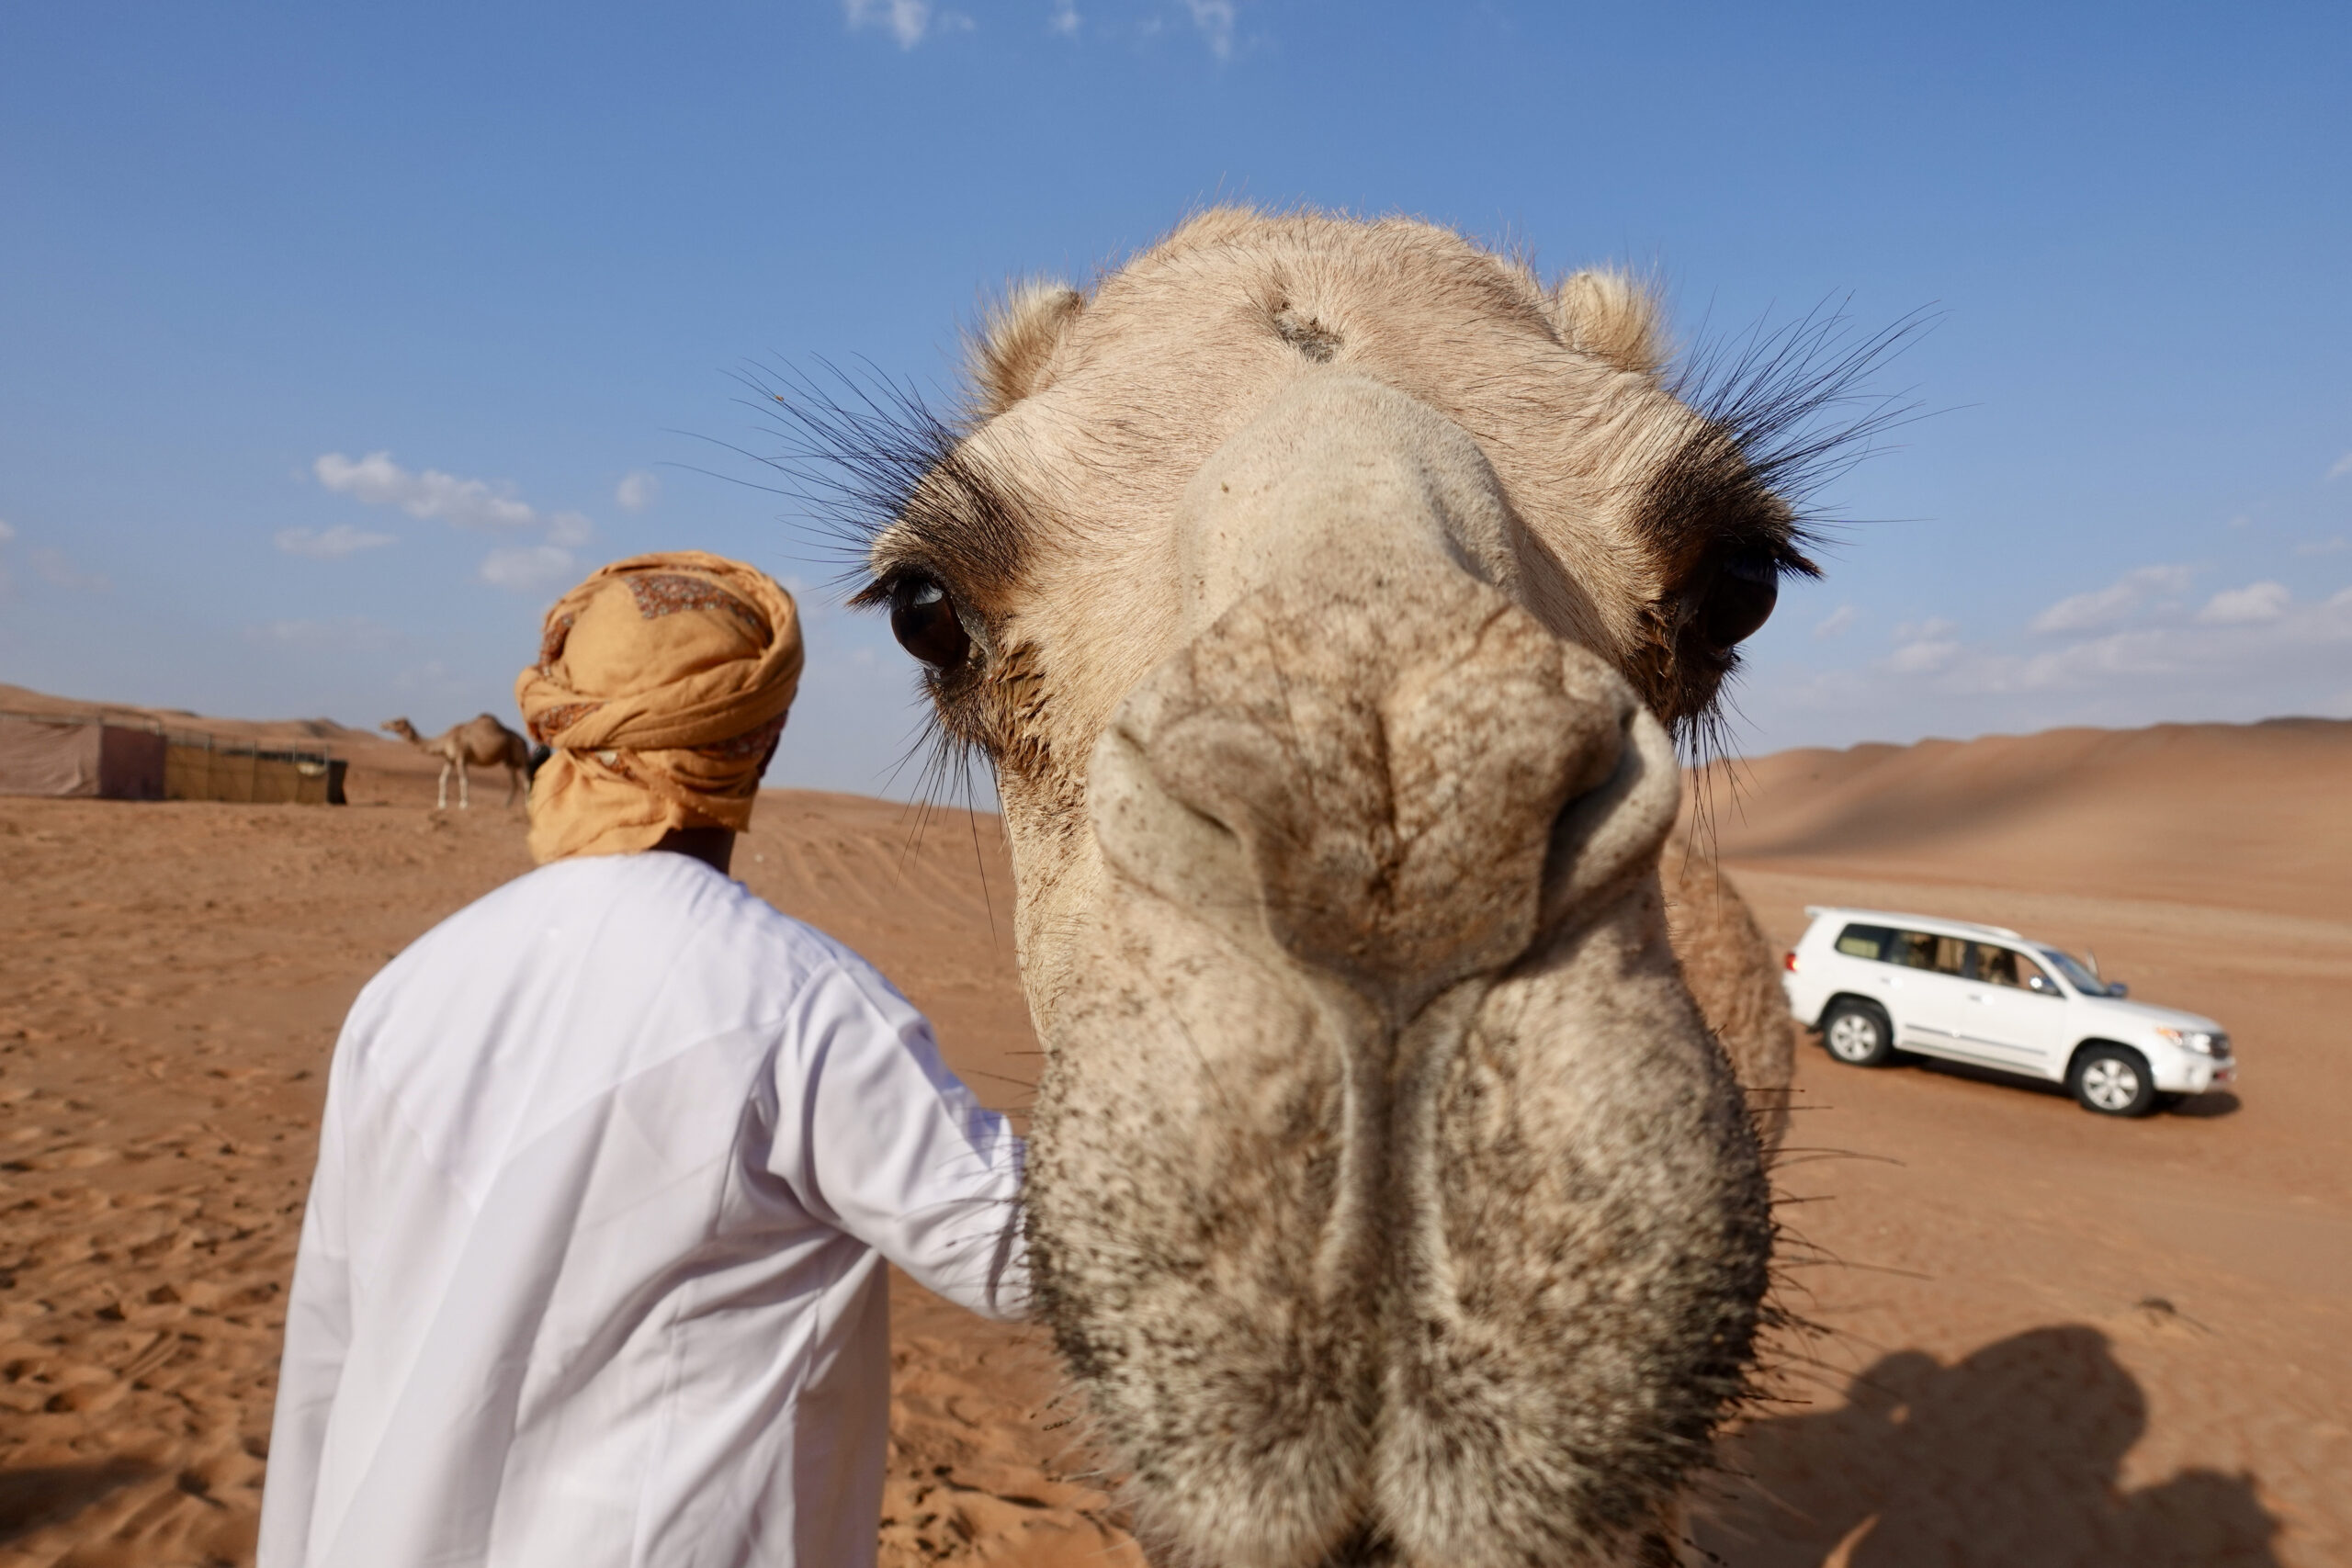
[1929,994]
[2016,1008]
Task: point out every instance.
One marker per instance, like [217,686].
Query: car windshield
[2081,979]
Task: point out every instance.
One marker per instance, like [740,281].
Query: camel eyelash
[883,482]
[874,465]
[853,451]
[1790,407]
[1792,403]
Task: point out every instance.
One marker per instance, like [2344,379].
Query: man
[592,1272]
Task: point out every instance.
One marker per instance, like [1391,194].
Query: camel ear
[1008,355]
[1612,316]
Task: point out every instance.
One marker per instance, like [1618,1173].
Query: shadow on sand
[2214,1102]
[31,1498]
[2011,1458]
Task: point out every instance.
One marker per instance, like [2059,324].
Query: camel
[480,742]
[1328,597]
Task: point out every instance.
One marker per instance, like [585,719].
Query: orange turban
[661,684]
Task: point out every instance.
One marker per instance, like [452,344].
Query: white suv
[1874,982]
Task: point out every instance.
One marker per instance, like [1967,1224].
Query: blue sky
[334,340]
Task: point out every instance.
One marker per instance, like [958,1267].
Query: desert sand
[2019,1335]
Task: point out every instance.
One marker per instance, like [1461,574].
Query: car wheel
[2114,1081]
[1858,1034]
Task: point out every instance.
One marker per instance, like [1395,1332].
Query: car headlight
[2195,1040]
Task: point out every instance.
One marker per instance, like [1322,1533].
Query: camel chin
[1323,593]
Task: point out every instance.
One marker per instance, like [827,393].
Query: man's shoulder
[645,903]
[663,950]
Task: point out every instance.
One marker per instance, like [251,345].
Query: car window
[1913,949]
[2033,978]
[1922,950]
[2077,973]
[2007,967]
[1865,942]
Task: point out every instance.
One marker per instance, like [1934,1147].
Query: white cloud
[2170,664]
[352,632]
[1065,19]
[637,491]
[2343,466]
[527,569]
[908,20]
[380,481]
[1215,19]
[1925,654]
[55,570]
[2244,635]
[469,503]
[1837,621]
[568,530]
[2082,611]
[2254,604]
[1934,627]
[2333,547]
[6,533]
[433,679]
[329,544]
[1922,648]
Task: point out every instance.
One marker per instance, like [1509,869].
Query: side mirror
[2117,988]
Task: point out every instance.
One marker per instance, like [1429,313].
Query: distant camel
[482,742]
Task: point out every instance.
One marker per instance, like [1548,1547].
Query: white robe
[592,1272]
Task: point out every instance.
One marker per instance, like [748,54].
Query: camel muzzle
[1389,1196]
[1401,796]
[1367,745]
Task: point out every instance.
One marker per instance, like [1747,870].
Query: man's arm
[318,1337]
[878,1138]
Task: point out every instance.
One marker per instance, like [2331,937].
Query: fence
[204,767]
[193,765]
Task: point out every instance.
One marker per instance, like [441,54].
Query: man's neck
[715,847]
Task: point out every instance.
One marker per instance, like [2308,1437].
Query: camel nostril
[1614,827]
[1400,824]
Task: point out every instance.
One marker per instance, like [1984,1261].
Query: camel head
[1325,594]
[402,728]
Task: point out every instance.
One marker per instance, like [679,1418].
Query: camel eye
[923,619]
[1739,600]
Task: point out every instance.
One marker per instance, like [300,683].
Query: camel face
[1323,593]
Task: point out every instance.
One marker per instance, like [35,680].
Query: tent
[70,755]
[90,756]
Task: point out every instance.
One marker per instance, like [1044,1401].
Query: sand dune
[2029,1337]
[2251,817]
[323,733]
